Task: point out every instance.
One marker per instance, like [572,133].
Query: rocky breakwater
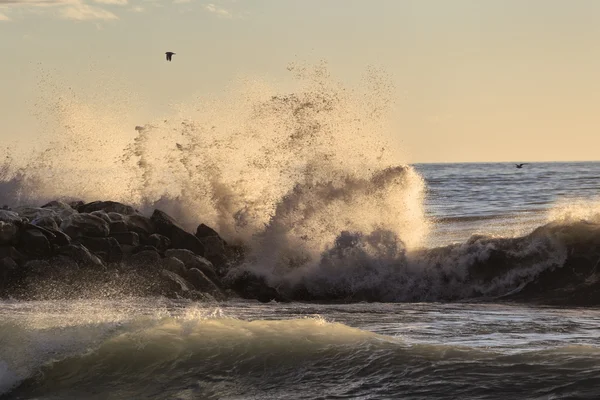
[108,249]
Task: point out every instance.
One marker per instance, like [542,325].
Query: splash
[284,173]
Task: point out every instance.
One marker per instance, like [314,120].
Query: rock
[10,216]
[191,260]
[80,254]
[139,224]
[117,227]
[175,265]
[8,268]
[62,209]
[180,284]
[40,268]
[216,252]
[180,239]
[8,233]
[161,242]
[202,283]
[145,247]
[34,242]
[103,215]
[76,204]
[60,238]
[206,231]
[114,217]
[11,252]
[107,206]
[109,246]
[33,213]
[148,259]
[45,222]
[249,286]
[85,225]
[128,238]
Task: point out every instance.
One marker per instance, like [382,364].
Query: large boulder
[103,215]
[250,286]
[160,242]
[8,233]
[117,227]
[10,216]
[11,252]
[80,254]
[8,269]
[126,238]
[108,248]
[62,209]
[78,225]
[35,243]
[205,231]
[34,213]
[139,224]
[178,284]
[108,206]
[175,265]
[203,284]
[191,260]
[180,239]
[148,260]
[46,222]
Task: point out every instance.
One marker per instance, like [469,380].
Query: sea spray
[283,173]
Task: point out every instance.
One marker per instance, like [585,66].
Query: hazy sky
[475,80]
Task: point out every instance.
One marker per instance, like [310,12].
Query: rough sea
[311,182]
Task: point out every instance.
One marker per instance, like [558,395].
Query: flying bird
[169,55]
[519,165]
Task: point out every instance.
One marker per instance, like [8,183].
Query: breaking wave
[310,181]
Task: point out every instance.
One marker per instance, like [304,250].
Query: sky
[493,80]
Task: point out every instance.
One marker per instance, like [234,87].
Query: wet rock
[109,247]
[60,238]
[203,283]
[191,260]
[40,268]
[114,217]
[81,255]
[175,265]
[180,239]
[34,242]
[33,213]
[161,242]
[249,286]
[46,222]
[216,252]
[107,206]
[85,225]
[11,252]
[62,209]
[141,225]
[147,259]
[8,233]
[117,227]
[127,238]
[103,215]
[145,247]
[179,284]
[206,231]
[10,216]
[8,269]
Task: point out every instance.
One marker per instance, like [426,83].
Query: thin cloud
[113,2]
[4,17]
[219,11]
[84,12]
[137,9]
[37,3]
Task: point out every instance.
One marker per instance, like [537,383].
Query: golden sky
[474,80]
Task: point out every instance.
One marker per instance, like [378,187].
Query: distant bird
[169,55]
[519,165]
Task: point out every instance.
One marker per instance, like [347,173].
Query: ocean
[477,349]
[426,281]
